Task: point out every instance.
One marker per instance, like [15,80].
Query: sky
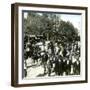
[74,19]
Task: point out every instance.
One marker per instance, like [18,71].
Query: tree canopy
[51,26]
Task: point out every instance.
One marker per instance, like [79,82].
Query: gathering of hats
[50,58]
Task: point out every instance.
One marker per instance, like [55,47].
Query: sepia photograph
[52,43]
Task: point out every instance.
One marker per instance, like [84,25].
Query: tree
[33,23]
[51,26]
[68,32]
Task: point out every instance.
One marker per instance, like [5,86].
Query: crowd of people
[60,58]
